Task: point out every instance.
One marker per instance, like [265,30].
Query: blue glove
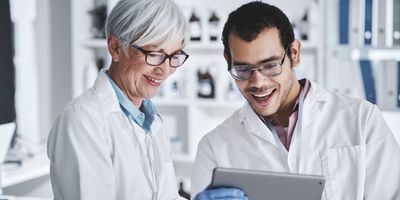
[221,193]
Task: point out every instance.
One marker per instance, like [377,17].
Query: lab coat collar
[312,106]
[106,93]
[317,92]
[313,103]
[108,97]
[254,125]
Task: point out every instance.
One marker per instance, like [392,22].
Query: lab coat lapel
[106,93]
[312,104]
[254,124]
[156,126]
[103,89]
[311,111]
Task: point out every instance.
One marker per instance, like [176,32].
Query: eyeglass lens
[268,69]
[244,72]
[157,58]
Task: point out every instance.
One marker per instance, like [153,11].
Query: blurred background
[53,49]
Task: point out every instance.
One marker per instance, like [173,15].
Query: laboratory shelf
[208,103]
[191,46]
[309,47]
[170,102]
[370,53]
[95,43]
[217,46]
[31,168]
[204,46]
[21,198]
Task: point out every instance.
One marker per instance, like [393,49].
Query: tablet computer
[262,185]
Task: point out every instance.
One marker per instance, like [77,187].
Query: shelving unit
[189,121]
[355,66]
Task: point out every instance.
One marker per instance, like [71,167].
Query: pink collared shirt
[285,133]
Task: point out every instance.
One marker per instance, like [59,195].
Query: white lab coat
[344,139]
[94,151]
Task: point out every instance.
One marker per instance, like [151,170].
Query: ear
[113,48]
[295,48]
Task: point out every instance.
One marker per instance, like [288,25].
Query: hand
[221,193]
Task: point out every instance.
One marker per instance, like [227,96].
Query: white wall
[42,62]
[23,15]
[53,29]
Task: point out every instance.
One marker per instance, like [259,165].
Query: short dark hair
[252,18]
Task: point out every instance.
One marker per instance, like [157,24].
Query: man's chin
[263,110]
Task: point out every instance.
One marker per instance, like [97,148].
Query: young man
[291,125]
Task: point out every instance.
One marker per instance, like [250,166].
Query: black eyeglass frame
[258,67]
[146,53]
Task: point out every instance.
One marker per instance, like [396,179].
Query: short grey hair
[145,22]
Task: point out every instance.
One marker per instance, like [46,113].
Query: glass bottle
[213,26]
[195,27]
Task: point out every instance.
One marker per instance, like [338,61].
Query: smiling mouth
[264,96]
[153,80]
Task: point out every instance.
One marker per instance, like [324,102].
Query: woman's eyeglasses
[156,58]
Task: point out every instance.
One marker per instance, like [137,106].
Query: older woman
[110,142]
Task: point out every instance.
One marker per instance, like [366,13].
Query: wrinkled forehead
[169,48]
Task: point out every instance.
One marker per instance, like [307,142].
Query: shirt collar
[143,116]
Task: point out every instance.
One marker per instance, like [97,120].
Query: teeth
[264,95]
[261,95]
[154,80]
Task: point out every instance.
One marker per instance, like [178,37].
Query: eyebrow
[178,51]
[154,48]
[272,58]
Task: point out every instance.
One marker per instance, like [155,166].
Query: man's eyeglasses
[156,58]
[268,69]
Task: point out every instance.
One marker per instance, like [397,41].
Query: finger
[227,192]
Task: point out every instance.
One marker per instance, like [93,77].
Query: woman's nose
[163,68]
